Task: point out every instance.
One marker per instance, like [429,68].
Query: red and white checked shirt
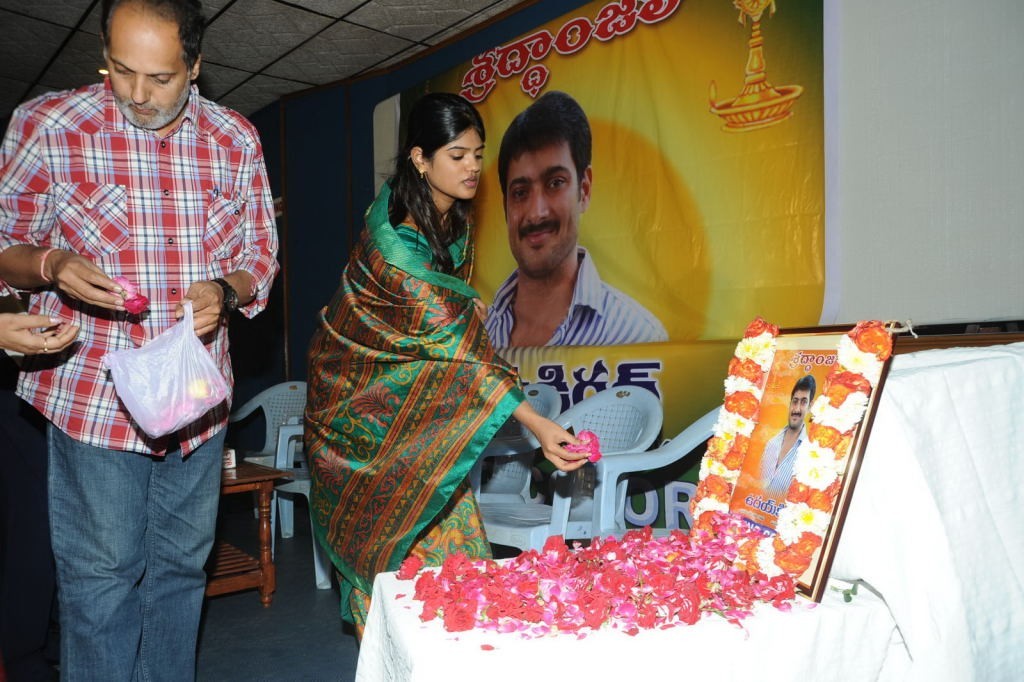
[163,212]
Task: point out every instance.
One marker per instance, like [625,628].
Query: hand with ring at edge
[17,334]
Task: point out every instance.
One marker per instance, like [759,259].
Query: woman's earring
[423,173]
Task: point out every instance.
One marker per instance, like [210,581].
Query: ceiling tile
[472,20]
[12,93]
[332,8]
[415,20]
[92,22]
[291,44]
[215,80]
[77,64]
[400,57]
[258,92]
[27,45]
[63,12]
[38,90]
[341,51]
[254,33]
[212,7]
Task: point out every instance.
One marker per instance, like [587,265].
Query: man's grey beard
[161,118]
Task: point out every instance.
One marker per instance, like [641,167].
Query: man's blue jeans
[131,534]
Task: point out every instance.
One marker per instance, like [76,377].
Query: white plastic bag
[171,381]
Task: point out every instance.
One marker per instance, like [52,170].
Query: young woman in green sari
[405,389]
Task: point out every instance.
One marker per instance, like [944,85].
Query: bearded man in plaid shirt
[139,177]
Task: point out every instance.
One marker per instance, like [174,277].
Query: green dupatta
[405,391]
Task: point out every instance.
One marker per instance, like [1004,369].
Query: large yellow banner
[702,205]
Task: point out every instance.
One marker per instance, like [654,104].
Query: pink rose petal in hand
[134,302]
[588,445]
[129,288]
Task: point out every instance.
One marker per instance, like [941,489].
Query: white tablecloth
[935,526]
[936,522]
[854,640]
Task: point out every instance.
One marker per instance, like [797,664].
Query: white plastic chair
[511,452]
[288,439]
[625,418]
[280,403]
[613,468]
[520,521]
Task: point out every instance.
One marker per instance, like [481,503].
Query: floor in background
[298,638]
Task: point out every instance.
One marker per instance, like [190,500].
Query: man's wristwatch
[230,296]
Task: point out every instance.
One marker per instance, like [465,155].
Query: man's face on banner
[543,203]
[798,405]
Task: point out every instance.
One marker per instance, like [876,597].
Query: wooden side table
[229,569]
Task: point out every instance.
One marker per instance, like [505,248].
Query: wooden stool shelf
[229,569]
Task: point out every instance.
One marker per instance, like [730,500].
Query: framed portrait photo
[788,442]
[800,365]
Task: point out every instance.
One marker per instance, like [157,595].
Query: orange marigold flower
[714,487]
[852,380]
[717,449]
[741,443]
[821,500]
[872,337]
[703,522]
[798,492]
[734,458]
[836,394]
[792,563]
[825,436]
[795,558]
[746,369]
[742,403]
[843,445]
[807,543]
[758,327]
[748,556]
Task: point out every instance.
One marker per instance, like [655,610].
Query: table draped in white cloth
[936,523]
[935,529]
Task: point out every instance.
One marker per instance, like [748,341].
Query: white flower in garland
[709,504]
[766,557]
[855,360]
[760,349]
[739,385]
[816,466]
[713,467]
[843,418]
[730,424]
[798,518]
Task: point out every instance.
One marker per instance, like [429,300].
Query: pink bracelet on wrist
[42,264]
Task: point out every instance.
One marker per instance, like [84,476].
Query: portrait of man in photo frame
[798,370]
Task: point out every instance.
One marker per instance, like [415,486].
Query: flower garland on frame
[727,449]
[821,460]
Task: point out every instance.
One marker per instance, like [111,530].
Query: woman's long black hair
[434,121]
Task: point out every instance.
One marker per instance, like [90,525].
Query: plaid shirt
[163,212]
